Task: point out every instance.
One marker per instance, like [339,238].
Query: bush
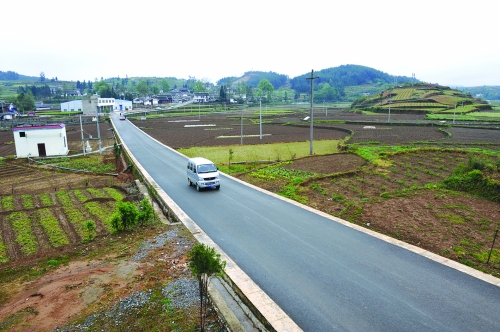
[146,213]
[125,217]
[474,162]
[474,182]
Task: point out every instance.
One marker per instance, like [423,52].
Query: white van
[202,173]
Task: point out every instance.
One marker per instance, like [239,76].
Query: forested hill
[345,75]
[13,76]
[252,78]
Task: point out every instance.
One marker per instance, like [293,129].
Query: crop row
[26,201]
[413,105]
[404,94]
[81,215]
[462,109]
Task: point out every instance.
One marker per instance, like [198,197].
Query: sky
[453,43]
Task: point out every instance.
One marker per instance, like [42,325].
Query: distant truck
[202,173]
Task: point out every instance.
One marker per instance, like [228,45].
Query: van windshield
[206,168]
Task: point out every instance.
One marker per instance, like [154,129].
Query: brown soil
[398,199]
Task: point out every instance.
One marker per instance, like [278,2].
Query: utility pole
[81,130]
[454,112]
[98,130]
[260,116]
[389,102]
[312,78]
[241,127]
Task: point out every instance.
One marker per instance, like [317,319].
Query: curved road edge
[269,313]
[422,252]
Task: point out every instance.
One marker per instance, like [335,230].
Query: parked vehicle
[202,173]
[122,117]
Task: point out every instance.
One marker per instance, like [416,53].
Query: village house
[201,97]
[40,141]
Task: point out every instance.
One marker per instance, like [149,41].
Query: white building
[90,106]
[72,106]
[97,104]
[122,105]
[40,141]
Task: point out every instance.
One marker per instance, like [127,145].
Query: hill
[346,75]
[421,98]
[13,76]
[252,78]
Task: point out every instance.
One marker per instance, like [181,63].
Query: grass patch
[8,203]
[102,211]
[96,193]
[113,193]
[3,252]
[91,163]
[452,218]
[292,191]
[27,201]
[22,227]
[45,199]
[80,195]
[262,152]
[56,235]
[73,214]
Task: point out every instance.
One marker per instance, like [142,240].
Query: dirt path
[58,296]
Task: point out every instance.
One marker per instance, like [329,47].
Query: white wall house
[72,106]
[90,106]
[97,104]
[41,141]
[122,105]
[201,97]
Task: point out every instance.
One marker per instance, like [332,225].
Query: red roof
[49,126]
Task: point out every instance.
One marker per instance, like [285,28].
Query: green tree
[241,88]
[142,88]
[249,92]
[98,87]
[155,90]
[265,89]
[25,102]
[42,77]
[199,86]
[326,92]
[125,217]
[204,263]
[165,86]
[223,93]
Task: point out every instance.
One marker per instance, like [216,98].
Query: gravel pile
[155,243]
[182,292]
[132,302]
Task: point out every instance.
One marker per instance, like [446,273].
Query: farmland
[390,178]
[387,177]
[424,98]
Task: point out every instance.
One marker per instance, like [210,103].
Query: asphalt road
[324,275]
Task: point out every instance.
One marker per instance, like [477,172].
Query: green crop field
[264,152]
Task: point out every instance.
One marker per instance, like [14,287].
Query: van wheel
[189,182]
[198,187]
